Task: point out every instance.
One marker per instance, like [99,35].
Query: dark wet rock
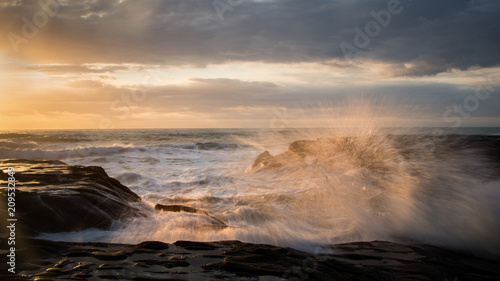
[181,208]
[305,147]
[197,246]
[326,153]
[129,178]
[164,263]
[178,208]
[266,160]
[235,260]
[151,245]
[109,256]
[52,196]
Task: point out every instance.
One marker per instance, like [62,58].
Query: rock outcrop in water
[52,196]
[330,153]
[211,220]
[234,260]
[376,152]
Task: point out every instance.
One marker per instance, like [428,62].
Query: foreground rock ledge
[52,196]
[234,260]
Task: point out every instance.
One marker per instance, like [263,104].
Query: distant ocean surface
[298,207]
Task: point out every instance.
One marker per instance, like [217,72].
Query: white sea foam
[371,188]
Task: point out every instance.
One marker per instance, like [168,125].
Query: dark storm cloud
[426,38]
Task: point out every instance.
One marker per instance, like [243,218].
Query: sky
[248,63]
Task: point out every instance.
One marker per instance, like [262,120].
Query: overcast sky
[248,63]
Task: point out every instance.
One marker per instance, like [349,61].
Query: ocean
[372,187]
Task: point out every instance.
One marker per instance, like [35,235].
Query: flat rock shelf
[234,260]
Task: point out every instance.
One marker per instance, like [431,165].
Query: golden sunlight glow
[131,65]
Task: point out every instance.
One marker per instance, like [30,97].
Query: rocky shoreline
[62,198]
[234,260]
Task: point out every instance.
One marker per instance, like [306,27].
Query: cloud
[231,84]
[57,69]
[225,102]
[85,84]
[426,38]
[88,57]
[211,95]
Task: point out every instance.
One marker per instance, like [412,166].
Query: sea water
[330,198]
